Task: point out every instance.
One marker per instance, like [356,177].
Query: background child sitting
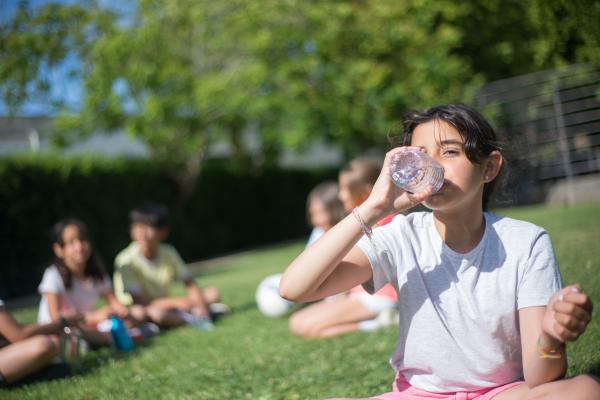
[357,309]
[147,268]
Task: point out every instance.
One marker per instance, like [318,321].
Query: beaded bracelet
[548,353]
[366,229]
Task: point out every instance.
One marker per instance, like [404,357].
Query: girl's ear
[492,166]
[58,251]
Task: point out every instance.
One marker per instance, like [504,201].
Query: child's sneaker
[149,329]
[143,332]
[388,317]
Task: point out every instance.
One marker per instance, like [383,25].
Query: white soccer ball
[269,302]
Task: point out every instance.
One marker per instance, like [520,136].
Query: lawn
[249,356]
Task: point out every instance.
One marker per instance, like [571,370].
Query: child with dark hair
[147,268]
[75,282]
[483,314]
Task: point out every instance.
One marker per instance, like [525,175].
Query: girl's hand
[567,314]
[386,198]
[120,311]
[74,318]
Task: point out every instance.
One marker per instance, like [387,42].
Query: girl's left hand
[567,314]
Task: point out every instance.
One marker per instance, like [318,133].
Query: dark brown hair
[152,214]
[479,136]
[94,268]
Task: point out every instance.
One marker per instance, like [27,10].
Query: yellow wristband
[548,353]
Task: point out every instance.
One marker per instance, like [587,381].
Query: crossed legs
[165,311]
[22,358]
[330,318]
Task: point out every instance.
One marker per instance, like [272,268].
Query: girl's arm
[53,302]
[115,305]
[544,330]
[10,328]
[14,332]
[333,264]
[330,265]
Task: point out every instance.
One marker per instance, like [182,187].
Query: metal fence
[551,123]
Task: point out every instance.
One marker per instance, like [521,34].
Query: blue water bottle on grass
[121,338]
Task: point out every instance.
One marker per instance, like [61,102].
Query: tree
[182,75]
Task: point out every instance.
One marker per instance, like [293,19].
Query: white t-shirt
[315,234]
[82,296]
[459,328]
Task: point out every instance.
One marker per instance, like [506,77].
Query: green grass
[249,356]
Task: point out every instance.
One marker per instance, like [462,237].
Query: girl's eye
[450,152]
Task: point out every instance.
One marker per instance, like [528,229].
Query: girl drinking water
[482,312]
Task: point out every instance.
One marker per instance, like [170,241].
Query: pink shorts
[403,391]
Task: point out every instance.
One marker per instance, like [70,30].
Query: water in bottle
[413,170]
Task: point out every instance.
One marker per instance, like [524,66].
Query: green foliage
[249,356]
[34,42]
[231,208]
[181,75]
[501,39]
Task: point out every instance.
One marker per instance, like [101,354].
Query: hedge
[231,208]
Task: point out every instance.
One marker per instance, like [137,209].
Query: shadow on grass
[241,308]
[594,370]
[106,355]
[49,373]
[92,360]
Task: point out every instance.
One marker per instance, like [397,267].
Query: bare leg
[163,311]
[185,303]
[20,359]
[165,318]
[581,387]
[169,303]
[137,315]
[338,330]
[329,318]
[96,338]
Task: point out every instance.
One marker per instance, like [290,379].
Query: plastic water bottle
[121,338]
[413,170]
[72,348]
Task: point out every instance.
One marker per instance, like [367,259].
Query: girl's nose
[79,245]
